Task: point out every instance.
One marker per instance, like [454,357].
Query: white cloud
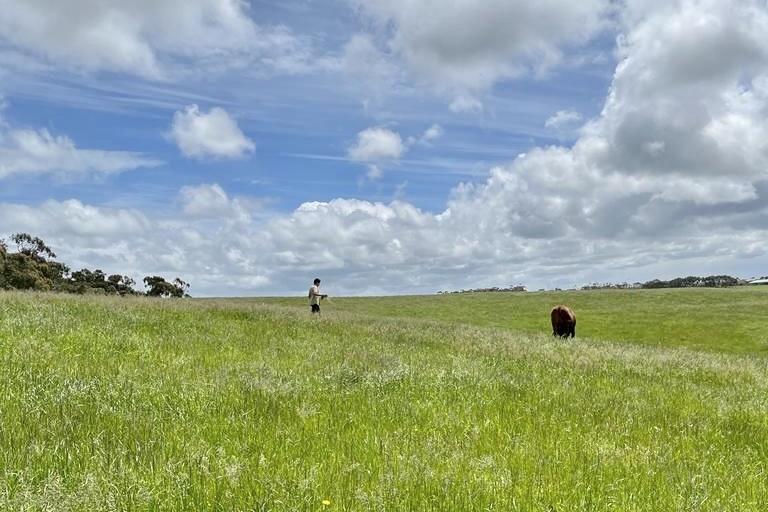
[200,134]
[211,201]
[35,152]
[377,144]
[689,96]
[434,132]
[471,44]
[210,250]
[693,44]
[430,135]
[562,118]
[370,66]
[74,221]
[671,177]
[204,200]
[466,104]
[710,191]
[374,172]
[149,39]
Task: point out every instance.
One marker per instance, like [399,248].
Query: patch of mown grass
[115,404]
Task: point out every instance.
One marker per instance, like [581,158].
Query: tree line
[515,288]
[34,267]
[695,282]
[720,281]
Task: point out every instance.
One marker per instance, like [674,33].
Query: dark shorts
[315,308]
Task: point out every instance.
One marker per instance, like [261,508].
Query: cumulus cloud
[658,168]
[470,45]
[365,236]
[34,152]
[213,133]
[147,38]
[672,175]
[674,109]
[73,220]
[658,172]
[211,201]
[377,144]
[204,247]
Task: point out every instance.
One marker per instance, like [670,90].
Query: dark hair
[317,281]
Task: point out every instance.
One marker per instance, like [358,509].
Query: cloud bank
[670,178]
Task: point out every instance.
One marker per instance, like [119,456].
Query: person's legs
[315,308]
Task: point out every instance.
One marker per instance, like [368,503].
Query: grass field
[449,403]
[731,320]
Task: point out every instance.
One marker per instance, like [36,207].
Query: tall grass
[151,405]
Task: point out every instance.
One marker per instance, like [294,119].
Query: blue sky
[388,147]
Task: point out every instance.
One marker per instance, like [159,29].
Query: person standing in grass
[315,296]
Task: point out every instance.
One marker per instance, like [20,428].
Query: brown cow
[563,322]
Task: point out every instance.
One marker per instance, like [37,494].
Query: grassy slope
[731,320]
[111,404]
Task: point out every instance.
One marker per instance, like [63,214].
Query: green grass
[406,403]
[731,320]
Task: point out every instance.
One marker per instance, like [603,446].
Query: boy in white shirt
[315,296]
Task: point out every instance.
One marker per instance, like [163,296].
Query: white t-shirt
[314,294]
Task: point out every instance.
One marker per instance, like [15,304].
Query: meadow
[459,402]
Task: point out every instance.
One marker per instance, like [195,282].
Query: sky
[387,146]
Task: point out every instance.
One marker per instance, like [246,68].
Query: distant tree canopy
[86,281]
[694,281]
[30,268]
[159,287]
[511,288]
[33,267]
[679,282]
